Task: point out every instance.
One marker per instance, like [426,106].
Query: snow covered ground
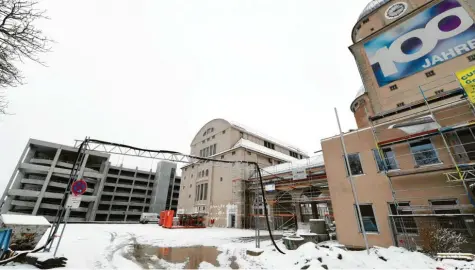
[93,246]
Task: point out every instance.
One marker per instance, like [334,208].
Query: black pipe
[265,208]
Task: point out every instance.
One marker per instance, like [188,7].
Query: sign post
[78,188]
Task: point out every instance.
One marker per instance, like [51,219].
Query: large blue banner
[435,35]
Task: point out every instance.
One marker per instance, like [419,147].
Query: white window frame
[357,218]
[382,159]
[348,170]
[433,147]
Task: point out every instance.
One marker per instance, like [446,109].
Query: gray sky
[151,73]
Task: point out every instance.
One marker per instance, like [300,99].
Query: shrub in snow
[436,239]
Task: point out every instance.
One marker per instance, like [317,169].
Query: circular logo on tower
[395,10]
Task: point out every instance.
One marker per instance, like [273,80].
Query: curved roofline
[353,102]
[253,132]
[364,15]
[361,91]
[199,131]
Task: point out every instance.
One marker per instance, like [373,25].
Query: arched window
[207,172]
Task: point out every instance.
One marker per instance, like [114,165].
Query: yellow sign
[466,78]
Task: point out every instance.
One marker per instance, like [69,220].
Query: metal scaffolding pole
[353,187]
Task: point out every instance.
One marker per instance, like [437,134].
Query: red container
[162,218]
[168,223]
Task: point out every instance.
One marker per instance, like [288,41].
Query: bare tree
[19,39]
[3,105]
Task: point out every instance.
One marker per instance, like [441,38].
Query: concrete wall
[114,194]
[41,176]
[166,172]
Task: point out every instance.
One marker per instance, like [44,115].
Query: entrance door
[233,221]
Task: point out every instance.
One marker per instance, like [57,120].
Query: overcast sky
[151,73]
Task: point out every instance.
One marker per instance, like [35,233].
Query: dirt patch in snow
[151,257]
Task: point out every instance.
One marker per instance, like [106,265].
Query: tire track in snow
[117,242]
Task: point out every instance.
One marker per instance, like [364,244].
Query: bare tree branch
[19,39]
[3,105]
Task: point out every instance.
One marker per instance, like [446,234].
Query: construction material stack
[183,221]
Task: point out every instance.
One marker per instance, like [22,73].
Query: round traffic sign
[79,187]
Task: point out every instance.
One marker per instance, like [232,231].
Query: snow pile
[101,246]
[13,219]
[307,163]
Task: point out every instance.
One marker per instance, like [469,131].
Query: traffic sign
[79,187]
[73,201]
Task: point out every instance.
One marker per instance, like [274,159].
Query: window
[212,137]
[388,157]
[438,92]
[191,185]
[400,104]
[207,172]
[449,206]
[366,20]
[203,141]
[270,160]
[355,164]
[471,58]
[249,153]
[212,129]
[224,131]
[369,220]
[293,154]
[467,141]
[197,193]
[424,152]
[189,196]
[393,87]
[403,224]
[301,157]
[269,145]
[430,73]
[205,196]
[204,134]
[214,149]
[208,139]
[222,156]
[201,192]
[183,187]
[233,153]
[221,179]
[201,153]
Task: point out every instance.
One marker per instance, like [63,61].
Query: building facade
[207,187]
[414,121]
[114,194]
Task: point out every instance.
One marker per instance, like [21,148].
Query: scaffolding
[428,119]
[291,202]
